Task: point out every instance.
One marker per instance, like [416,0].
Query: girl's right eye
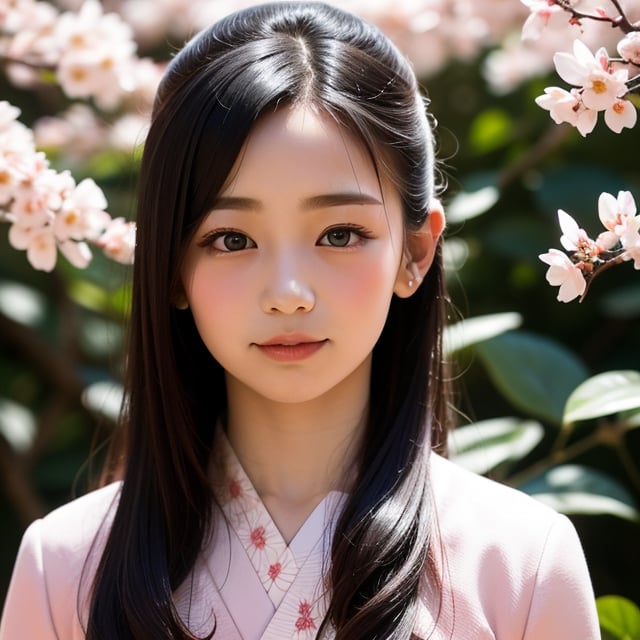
[227,241]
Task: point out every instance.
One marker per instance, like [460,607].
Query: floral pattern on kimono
[291,575]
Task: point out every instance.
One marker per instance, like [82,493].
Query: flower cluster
[585,258]
[599,83]
[92,54]
[47,210]
[598,86]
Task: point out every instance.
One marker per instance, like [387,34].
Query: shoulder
[70,539]
[509,566]
[461,496]
[54,569]
[74,526]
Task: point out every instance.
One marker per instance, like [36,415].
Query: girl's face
[290,276]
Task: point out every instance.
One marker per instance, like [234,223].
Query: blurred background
[538,382]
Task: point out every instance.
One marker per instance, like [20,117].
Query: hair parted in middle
[249,64]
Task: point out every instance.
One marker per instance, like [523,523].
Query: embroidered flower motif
[258,538]
[279,576]
[235,489]
[305,621]
[235,493]
[274,570]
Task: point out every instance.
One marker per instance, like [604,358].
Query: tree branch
[621,22]
[35,65]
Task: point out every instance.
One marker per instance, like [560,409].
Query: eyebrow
[314,202]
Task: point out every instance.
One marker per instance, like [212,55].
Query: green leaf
[455,252]
[473,330]
[490,130]
[104,397]
[17,425]
[88,295]
[602,395]
[479,195]
[623,302]
[576,188]
[573,488]
[535,373]
[484,445]
[619,618]
[518,237]
[21,303]
[630,419]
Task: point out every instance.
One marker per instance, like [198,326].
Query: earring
[182,305]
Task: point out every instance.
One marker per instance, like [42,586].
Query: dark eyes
[229,241]
[338,237]
[235,242]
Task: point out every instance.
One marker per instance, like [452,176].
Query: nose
[287,290]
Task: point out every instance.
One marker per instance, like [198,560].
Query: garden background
[548,394]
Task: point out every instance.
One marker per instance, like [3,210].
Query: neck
[295,453]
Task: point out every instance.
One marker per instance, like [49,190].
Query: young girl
[286,381]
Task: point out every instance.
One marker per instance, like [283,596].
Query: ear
[420,248]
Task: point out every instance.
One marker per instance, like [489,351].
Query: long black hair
[213,92]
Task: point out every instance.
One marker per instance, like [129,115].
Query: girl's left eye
[343,237]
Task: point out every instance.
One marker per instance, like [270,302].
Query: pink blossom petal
[607,240]
[569,69]
[570,231]
[586,121]
[607,210]
[583,54]
[77,253]
[627,203]
[42,252]
[622,114]
[565,274]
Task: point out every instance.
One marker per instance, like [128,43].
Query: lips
[291,348]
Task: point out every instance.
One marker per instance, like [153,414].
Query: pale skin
[289,279]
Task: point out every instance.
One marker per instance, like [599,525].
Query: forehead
[307,148]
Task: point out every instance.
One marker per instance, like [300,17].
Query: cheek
[214,303]
[206,288]
[369,284]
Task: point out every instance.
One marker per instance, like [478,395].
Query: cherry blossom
[95,52]
[586,257]
[629,47]
[48,212]
[631,242]
[620,115]
[601,87]
[618,215]
[615,214]
[92,53]
[567,106]
[565,274]
[575,239]
[541,13]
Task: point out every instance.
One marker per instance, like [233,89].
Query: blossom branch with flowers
[585,258]
[620,21]
[600,83]
[92,55]
[48,212]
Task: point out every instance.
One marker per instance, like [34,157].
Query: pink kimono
[512,569]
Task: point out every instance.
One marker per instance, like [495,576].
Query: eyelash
[208,241]
[361,232]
